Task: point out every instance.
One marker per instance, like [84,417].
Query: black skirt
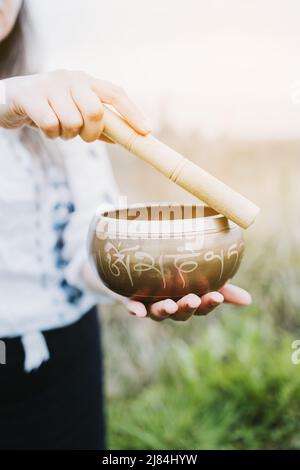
[60,405]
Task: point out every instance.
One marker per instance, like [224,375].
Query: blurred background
[220,82]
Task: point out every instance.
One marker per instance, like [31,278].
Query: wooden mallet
[181,171]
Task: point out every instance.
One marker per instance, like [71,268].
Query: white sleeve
[92,183]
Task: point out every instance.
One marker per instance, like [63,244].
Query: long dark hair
[13,56]
[14,62]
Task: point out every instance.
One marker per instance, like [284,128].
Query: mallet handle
[181,171]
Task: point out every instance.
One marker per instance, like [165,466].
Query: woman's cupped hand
[189,305]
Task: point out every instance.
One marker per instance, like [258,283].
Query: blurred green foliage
[239,391]
[225,381]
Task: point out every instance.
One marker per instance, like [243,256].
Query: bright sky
[219,66]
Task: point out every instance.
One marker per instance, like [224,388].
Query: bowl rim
[209,222]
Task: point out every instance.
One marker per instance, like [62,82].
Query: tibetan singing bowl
[164,251]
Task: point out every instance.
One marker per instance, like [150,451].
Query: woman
[51,385]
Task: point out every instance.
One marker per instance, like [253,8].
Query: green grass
[221,382]
[235,389]
[225,381]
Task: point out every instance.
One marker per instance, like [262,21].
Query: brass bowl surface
[151,253]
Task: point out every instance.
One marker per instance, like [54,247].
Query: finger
[43,116]
[136,308]
[68,115]
[11,119]
[209,302]
[111,94]
[187,306]
[92,112]
[235,295]
[162,309]
[106,139]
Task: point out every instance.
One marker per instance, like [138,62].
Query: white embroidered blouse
[48,195]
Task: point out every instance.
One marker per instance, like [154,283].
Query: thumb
[235,295]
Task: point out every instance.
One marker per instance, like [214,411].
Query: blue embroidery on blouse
[72,293]
[61,212]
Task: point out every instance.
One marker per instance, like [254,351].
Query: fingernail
[240,295]
[136,311]
[216,299]
[194,303]
[170,306]
[246,298]
[141,314]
